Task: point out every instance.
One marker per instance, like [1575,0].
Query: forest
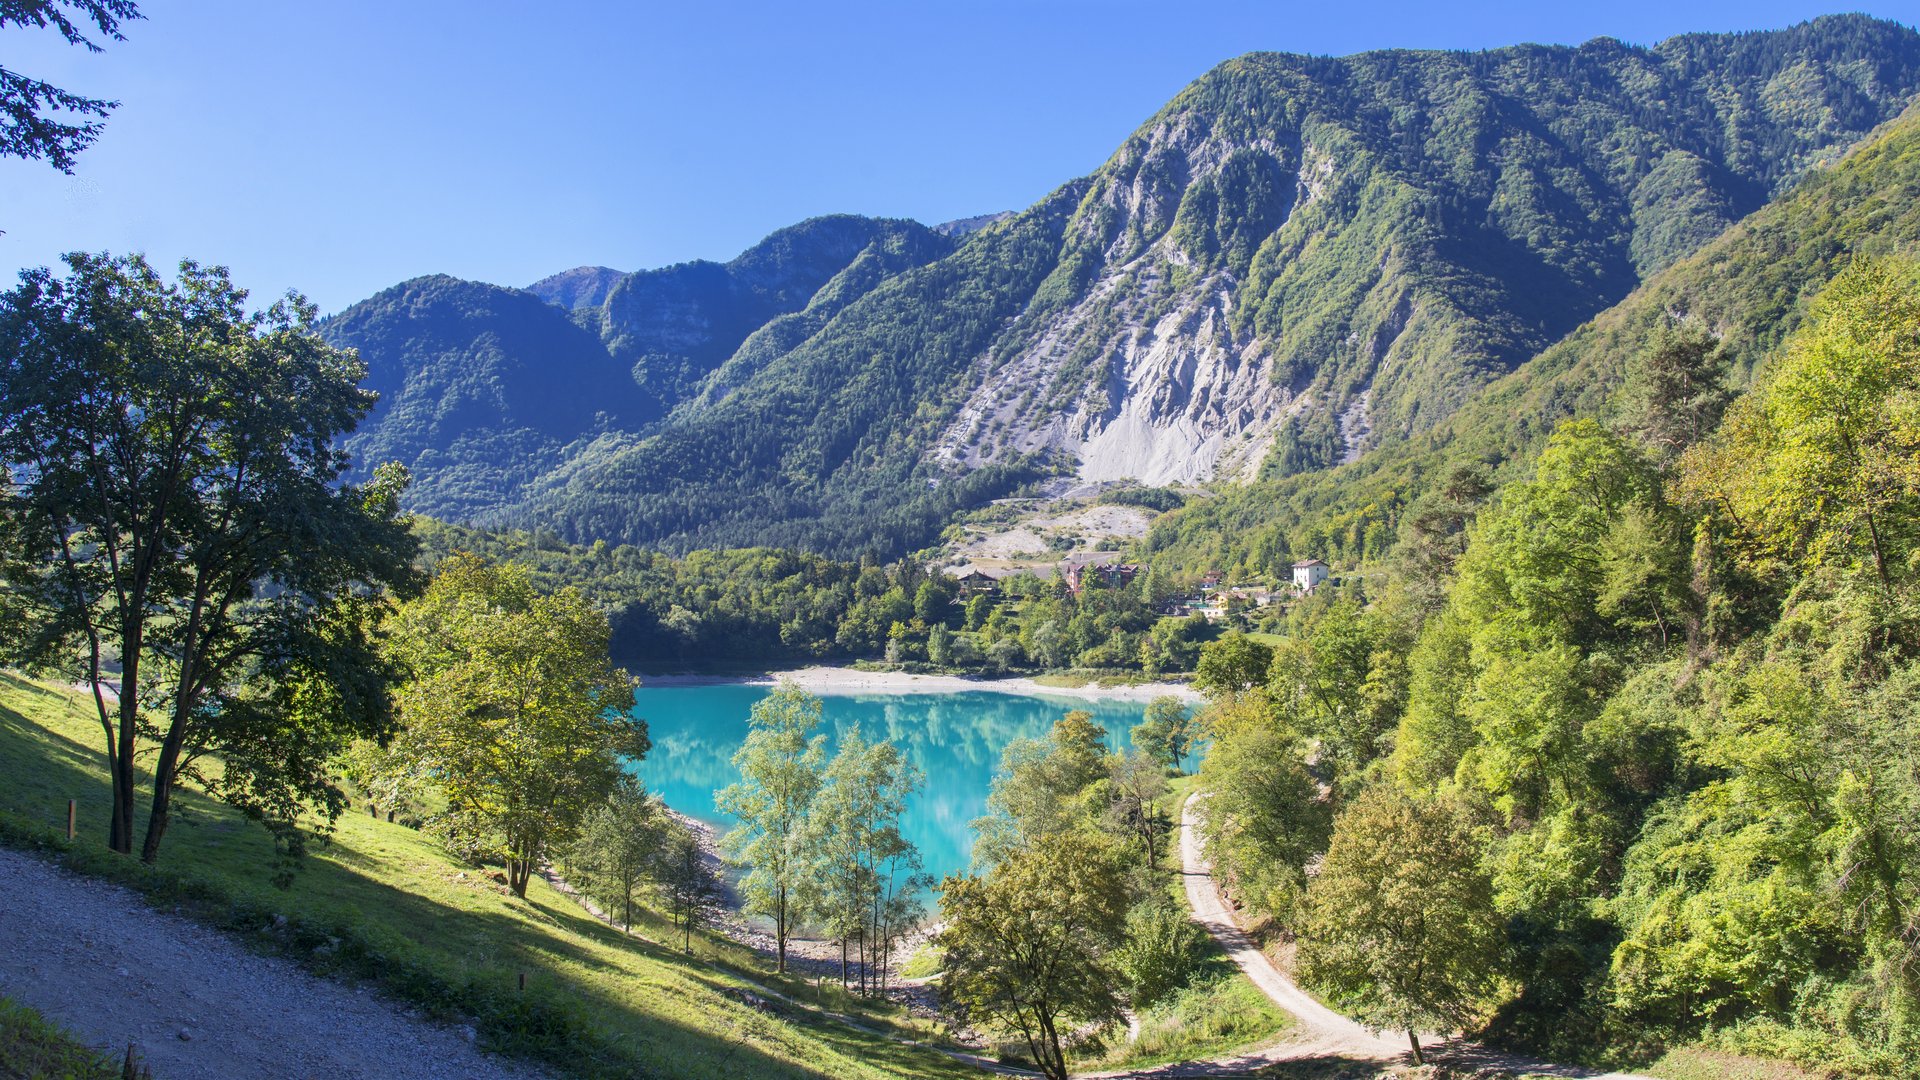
[1656,730]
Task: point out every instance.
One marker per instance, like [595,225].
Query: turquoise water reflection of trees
[955,738]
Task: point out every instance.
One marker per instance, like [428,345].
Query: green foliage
[33,1049]
[1401,931]
[1817,466]
[1159,499]
[1343,684]
[867,876]
[175,507]
[1038,790]
[1232,665]
[40,118]
[1137,783]
[1265,817]
[1166,733]
[1028,946]
[782,764]
[622,845]
[513,707]
[1162,951]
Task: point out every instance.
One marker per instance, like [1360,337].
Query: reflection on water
[956,739]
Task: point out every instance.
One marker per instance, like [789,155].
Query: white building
[1308,573]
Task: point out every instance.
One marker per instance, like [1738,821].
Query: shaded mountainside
[1746,291]
[483,388]
[1297,260]
[582,286]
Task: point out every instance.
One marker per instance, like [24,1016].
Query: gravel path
[1323,1033]
[96,959]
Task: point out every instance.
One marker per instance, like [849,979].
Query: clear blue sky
[339,146]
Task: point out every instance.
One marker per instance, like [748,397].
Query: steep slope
[1329,253]
[385,907]
[1747,289]
[480,388]
[818,445]
[582,286]
[672,326]
[1298,259]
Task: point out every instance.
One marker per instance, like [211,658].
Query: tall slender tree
[867,874]
[781,765]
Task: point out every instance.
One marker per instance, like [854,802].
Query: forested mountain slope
[1743,294]
[483,387]
[1297,260]
[480,388]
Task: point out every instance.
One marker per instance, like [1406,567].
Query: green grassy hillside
[385,903]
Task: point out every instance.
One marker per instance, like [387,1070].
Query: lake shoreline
[849,682]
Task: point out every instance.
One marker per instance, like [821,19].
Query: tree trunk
[165,771]
[1055,1066]
[120,832]
[1413,1040]
[780,928]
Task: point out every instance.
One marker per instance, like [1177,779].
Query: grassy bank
[384,903]
[33,1049]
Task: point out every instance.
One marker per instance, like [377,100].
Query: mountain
[1297,260]
[1745,291]
[480,388]
[582,286]
[483,387]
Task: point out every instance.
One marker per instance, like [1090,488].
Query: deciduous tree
[1401,931]
[514,707]
[1028,946]
[781,763]
[621,846]
[177,508]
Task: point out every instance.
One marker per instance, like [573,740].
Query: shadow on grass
[597,1003]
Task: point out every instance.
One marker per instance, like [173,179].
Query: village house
[977,582]
[1309,573]
[1103,566]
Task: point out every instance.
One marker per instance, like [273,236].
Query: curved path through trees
[1322,1032]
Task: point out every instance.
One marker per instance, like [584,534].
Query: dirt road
[94,958]
[1323,1032]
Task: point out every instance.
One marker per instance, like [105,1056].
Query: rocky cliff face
[1295,261]
[1300,257]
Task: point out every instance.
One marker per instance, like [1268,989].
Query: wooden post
[523,981]
[70,819]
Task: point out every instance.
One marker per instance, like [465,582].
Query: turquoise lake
[955,739]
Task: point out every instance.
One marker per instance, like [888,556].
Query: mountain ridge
[1295,260]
